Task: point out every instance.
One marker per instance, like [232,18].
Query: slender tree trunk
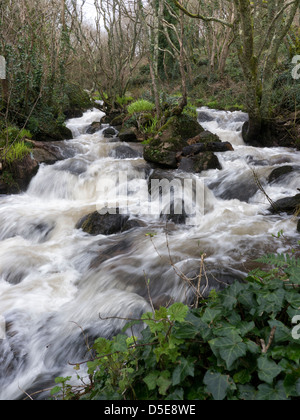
[5,93]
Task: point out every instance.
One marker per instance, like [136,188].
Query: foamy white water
[56,280]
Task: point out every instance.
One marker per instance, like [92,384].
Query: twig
[147,281]
[263,344]
[28,396]
[35,393]
[258,183]
[199,280]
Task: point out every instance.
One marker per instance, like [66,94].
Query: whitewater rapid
[55,280]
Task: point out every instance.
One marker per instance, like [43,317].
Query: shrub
[16,152]
[13,134]
[238,345]
[140,106]
[124,100]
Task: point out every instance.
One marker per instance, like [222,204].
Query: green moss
[78,98]
[181,128]
[171,139]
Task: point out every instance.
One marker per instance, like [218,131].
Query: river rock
[107,224]
[109,132]
[47,153]
[22,171]
[205,117]
[286,205]
[124,152]
[200,162]
[127,135]
[214,279]
[279,173]
[102,224]
[94,127]
[52,131]
[196,148]
[107,252]
[181,137]
[177,213]
[172,138]
[205,137]
[241,188]
[163,300]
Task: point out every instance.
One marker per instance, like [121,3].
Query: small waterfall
[55,280]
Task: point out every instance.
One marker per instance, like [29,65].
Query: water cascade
[55,279]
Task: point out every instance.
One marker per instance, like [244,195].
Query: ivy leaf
[191,327]
[243,377]
[268,393]
[160,379]
[178,312]
[247,299]
[210,315]
[185,368]
[268,370]
[271,302]
[283,333]
[178,394]
[217,385]
[151,380]
[230,294]
[294,274]
[229,348]
[291,383]
[164,382]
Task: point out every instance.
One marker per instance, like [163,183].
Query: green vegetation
[140,106]
[238,345]
[16,152]
[13,145]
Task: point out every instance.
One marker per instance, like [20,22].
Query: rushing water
[55,280]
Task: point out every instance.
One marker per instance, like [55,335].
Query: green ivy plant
[238,345]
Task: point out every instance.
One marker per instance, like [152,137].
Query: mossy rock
[77,101]
[163,157]
[182,126]
[118,120]
[171,139]
[52,131]
[127,135]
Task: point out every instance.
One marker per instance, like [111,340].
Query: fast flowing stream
[55,280]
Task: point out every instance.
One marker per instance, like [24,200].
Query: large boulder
[77,101]
[170,141]
[182,143]
[22,171]
[47,153]
[52,131]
